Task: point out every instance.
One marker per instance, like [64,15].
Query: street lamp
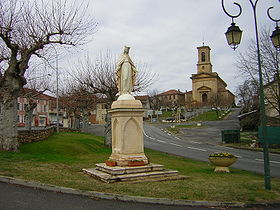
[233,34]
[57,104]
[233,38]
[57,107]
[275,36]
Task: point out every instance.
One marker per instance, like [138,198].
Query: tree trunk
[108,130]
[29,115]
[28,120]
[8,126]
[85,126]
[76,124]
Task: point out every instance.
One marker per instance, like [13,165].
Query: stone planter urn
[222,161]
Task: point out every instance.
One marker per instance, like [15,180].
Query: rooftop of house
[142,98]
[27,92]
[171,92]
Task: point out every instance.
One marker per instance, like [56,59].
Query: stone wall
[25,136]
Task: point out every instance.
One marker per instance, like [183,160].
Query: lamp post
[57,104]
[233,36]
[275,38]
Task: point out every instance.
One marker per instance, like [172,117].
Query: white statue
[125,76]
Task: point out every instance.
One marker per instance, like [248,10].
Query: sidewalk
[138,199]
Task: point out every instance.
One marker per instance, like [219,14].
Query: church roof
[208,75]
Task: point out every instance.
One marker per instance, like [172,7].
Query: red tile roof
[171,92]
[141,98]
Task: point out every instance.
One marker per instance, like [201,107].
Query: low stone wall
[25,136]
[69,130]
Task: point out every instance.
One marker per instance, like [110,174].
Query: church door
[204,98]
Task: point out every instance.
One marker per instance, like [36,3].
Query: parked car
[54,123]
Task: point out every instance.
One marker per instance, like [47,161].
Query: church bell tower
[204,64]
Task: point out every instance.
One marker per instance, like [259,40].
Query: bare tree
[78,101]
[26,29]
[248,93]
[99,76]
[31,97]
[248,66]
[154,99]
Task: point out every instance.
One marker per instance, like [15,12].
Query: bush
[250,122]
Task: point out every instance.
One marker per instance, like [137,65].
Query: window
[45,108]
[25,107]
[203,56]
[20,119]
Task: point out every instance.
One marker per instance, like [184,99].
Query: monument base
[146,173]
[127,132]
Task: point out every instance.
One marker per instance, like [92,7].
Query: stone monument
[127,116]
[128,161]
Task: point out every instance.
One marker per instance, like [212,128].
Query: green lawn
[60,159]
[246,138]
[209,116]
[167,114]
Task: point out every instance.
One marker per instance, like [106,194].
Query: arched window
[203,57]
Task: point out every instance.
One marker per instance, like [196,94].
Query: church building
[208,89]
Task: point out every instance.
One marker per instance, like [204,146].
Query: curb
[111,196]
[138,199]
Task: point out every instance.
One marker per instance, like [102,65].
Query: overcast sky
[165,34]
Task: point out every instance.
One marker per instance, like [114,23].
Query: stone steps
[150,172]
[118,170]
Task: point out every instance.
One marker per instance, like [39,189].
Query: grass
[173,130]
[167,114]
[210,116]
[59,160]
[246,138]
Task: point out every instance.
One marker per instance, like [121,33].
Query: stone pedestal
[128,147]
[127,132]
[147,173]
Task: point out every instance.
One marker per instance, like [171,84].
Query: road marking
[271,161]
[161,141]
[197,149]
[148,136]
[177,138]
[195,142]
[176,145]
[274,154]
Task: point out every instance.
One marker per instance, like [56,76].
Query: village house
[171,99]
[40,113]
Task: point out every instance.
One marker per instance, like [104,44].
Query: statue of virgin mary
[125,76]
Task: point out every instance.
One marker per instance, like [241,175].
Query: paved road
[210,132]
[157,139]
[14,197]
[199,143]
